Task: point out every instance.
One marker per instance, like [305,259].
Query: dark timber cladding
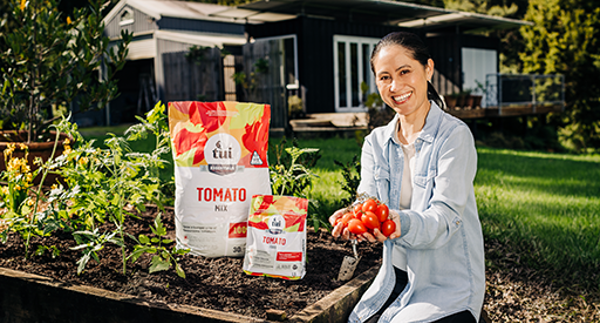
[446,52]
[315,52]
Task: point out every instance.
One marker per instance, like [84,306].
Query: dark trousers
[401,281]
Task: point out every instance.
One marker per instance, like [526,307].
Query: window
[126,17]
[228,71]
[352,68]
[477,63]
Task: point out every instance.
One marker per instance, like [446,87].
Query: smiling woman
[422,164]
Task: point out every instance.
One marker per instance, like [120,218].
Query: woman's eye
[402,72]
[384,78]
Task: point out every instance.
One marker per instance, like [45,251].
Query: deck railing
[534,90]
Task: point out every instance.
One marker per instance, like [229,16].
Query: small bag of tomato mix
[276,239]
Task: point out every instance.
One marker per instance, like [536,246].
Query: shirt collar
[429,130]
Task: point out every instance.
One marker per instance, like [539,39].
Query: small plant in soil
[163,258]
[292,175]
[351,178]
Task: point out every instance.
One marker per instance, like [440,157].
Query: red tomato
[388,227]
[346,218]
[383,212]
[356,226]
[369,205]
[370,220]
[357,209]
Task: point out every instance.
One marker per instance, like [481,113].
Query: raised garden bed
[215,290]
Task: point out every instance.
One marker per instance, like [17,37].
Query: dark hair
[416,47]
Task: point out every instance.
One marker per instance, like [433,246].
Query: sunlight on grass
[545,202]
[328,190]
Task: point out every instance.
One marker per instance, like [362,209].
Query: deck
[346,124]
[505,111]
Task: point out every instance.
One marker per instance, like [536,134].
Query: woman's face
[402,80]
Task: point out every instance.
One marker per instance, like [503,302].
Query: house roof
[372,11]
[202,39]
[158,9]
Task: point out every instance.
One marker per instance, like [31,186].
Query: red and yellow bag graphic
[276,242]
[220,155]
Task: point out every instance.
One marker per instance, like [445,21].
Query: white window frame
[477,63]
[295,39]
[359,41]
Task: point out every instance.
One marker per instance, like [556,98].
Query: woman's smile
[400,99]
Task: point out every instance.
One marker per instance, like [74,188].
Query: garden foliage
[112,184]
[97,186]
[51,61]
[565,39]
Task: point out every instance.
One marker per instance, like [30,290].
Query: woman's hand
[378,236]
[340,231]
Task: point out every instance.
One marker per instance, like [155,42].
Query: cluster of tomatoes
[368,216]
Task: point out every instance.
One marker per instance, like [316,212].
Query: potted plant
[451,100]
[482,89]
[463,99]
[468,98]
[49,62]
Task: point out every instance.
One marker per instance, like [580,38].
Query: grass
[544,206]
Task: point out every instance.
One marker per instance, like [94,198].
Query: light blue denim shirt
[441,232]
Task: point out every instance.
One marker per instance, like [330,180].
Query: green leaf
[82,262]
[40,250]
[179,270]
[144,239]
[159,264]
[316,224]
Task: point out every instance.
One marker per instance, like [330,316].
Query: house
[179,51]
[326,46]
[310,56]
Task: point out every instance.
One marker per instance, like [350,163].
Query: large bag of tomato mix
[220,155]
[276,242]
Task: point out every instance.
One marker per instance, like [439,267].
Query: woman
[422,165]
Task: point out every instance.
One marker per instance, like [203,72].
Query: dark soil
[516,292]
[213,283]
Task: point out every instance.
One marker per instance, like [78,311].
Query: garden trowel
[349,264]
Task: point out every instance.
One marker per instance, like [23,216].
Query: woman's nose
[394,85]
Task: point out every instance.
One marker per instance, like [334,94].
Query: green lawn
[545,206]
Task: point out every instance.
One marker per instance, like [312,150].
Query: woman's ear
[429,69]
